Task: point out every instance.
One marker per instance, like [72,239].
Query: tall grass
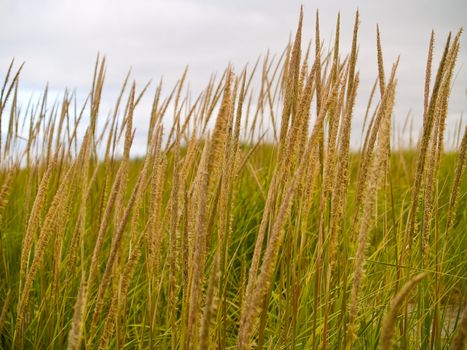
[249,222]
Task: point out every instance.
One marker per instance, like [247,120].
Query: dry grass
[219,238]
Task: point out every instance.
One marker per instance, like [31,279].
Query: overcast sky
[59,41]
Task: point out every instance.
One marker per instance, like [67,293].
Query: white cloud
[59,40]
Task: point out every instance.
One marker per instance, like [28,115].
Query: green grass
[215,239]
[48,320]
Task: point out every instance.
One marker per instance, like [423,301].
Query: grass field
[222,238]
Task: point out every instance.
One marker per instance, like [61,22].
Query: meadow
[224,237]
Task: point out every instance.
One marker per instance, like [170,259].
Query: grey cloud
[59,40]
